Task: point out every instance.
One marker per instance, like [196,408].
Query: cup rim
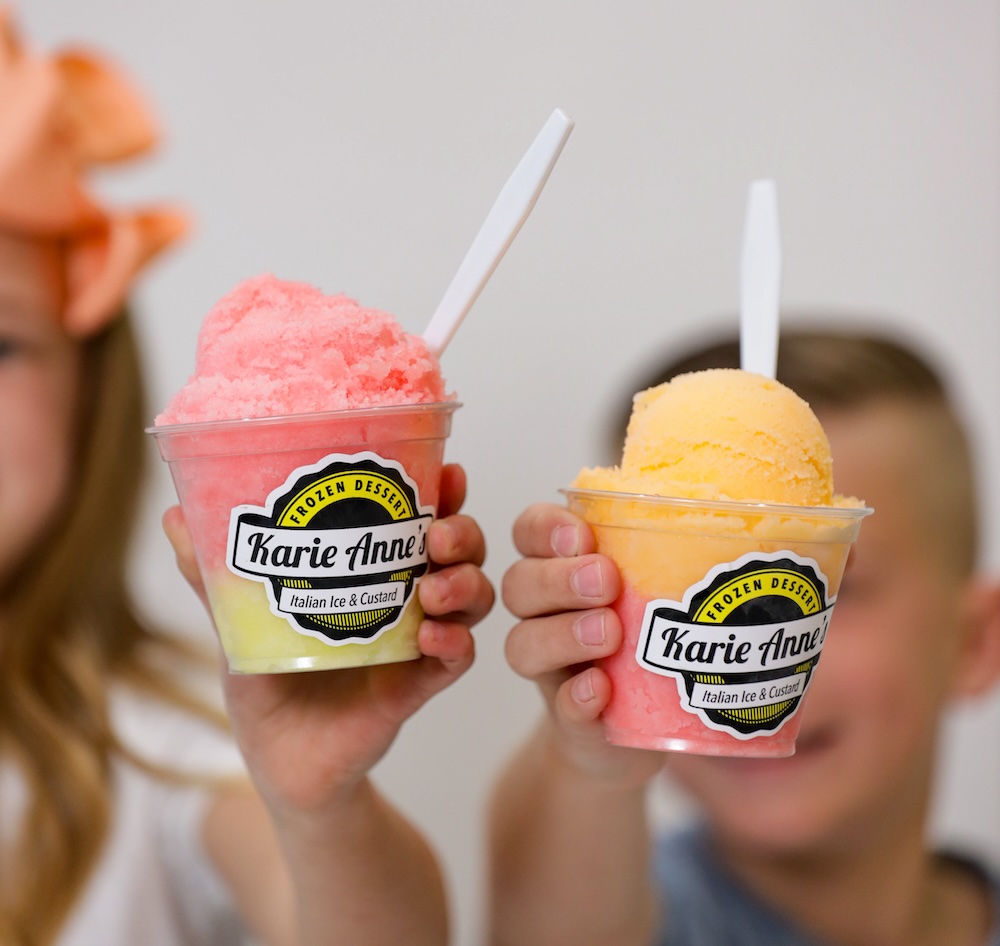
[424,407]
[718,505]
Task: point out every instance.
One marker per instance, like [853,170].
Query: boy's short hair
[842,371]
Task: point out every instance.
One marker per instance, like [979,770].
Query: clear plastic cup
[310,530]
[725,607]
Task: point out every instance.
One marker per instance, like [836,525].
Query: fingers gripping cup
[725,608]
[311,531]
[306,452]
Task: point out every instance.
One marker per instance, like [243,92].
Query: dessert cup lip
[235,423]
[722,505]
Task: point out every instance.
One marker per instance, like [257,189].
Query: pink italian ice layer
[272,347]
[645,708]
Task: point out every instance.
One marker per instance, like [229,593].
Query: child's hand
[561,590]
[310,738]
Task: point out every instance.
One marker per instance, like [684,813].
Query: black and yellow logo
[745,644]
[341,547]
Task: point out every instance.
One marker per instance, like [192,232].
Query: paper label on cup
[339,546]
[743,642]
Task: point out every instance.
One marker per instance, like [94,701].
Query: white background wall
[358,146]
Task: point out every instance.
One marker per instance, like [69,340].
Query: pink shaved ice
[272,347]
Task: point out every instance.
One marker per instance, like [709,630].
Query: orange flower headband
[59,116]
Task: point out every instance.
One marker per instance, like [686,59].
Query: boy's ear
[979,667]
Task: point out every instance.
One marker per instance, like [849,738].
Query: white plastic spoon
[760,281]
[501,225]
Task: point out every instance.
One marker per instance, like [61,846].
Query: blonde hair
[71,628]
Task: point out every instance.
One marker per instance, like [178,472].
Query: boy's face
[865,752]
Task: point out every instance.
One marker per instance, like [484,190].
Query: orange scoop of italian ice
[722,434]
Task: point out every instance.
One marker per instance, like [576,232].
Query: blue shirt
[705,906]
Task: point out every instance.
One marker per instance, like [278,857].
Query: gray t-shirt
[707,907]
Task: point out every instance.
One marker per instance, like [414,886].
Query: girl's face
[39,380]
